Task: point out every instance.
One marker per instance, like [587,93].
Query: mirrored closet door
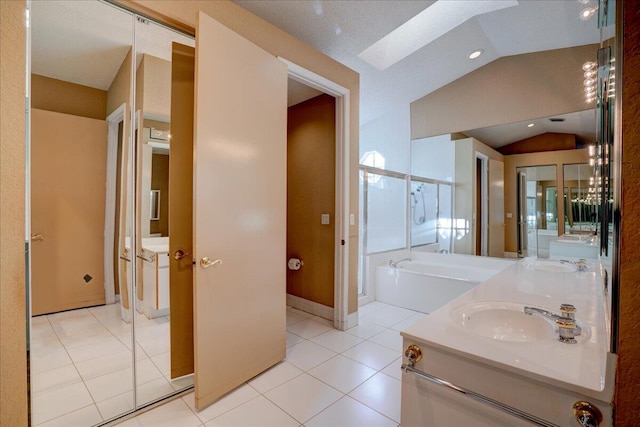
[99,148]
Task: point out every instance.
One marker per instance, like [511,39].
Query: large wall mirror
[100,131]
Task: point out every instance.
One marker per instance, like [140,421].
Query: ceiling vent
[556,119]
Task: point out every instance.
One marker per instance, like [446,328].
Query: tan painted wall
[68,98]
[558,158]
[626,398]
[13,366]
[160,181]
[156,85]
[280,43]
[310,193]
[120,89]
[507,90]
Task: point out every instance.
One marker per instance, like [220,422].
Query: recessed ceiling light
[589,65]
[588,13]
[530,125]
[476,53]
[428,25]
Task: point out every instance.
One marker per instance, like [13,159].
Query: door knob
[206,262]
[179,254]
[37,237]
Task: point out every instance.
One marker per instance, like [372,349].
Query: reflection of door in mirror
[156,312]
[80,357]
[537,201]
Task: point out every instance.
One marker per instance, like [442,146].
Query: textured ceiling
[343,29]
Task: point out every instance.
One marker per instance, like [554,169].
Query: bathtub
[429,281]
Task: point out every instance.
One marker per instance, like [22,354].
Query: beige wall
[626,397]
[68,98]
[557,158]
[156,89]
[507,90]
[13,366]
[13,410]
[310,193]
[280,43]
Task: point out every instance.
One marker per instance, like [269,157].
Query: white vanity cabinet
[491,367]
[155,279]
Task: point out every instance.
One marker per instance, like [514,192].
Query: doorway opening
[481,205]
[335,218]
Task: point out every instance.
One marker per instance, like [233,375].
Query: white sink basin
[503,321]
[554,266]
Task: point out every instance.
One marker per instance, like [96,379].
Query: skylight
[433,22]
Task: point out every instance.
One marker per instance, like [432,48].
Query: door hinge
[342,242]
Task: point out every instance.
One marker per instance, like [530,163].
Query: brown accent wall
[627,401]
[558,158]
[68,98]
[160,181]
[278,43]
[544,142]
[311,149]
[507,90]
[13,350]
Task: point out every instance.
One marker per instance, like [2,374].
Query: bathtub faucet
[394,264]
[581,264]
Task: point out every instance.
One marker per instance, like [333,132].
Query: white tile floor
[329,378]
[81,365]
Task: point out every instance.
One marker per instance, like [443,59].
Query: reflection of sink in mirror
[503,321]
[555,266]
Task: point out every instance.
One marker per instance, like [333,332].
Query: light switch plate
[509,215]
[352,219]
[324,219]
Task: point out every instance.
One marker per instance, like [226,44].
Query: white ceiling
[344,28]
[85,42]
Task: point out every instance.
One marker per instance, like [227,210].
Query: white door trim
[341,272]
[484,226]
[113,120]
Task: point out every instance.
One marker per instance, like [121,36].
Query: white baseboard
[310,307]
[511,255]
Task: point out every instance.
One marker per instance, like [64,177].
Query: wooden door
[239,210]
[181,211]
[68,175]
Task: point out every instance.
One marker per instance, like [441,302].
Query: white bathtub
[432,280]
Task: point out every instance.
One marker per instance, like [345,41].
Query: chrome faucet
[566,321]
[394,264]
[581,264]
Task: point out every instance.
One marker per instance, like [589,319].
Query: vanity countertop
[585,367]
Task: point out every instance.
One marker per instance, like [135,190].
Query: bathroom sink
[503,321]
[555,266]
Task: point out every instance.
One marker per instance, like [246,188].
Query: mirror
[581,207]
[154,210]
[537,212]
[81,362]
[87,127]
[154,311]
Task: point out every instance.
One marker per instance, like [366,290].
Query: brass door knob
[205,262]
[413,353]
[179,254]
[37,237]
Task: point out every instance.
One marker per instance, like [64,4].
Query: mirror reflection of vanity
[86,134]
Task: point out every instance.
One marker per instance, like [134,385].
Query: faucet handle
[567,330]
[568,310]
